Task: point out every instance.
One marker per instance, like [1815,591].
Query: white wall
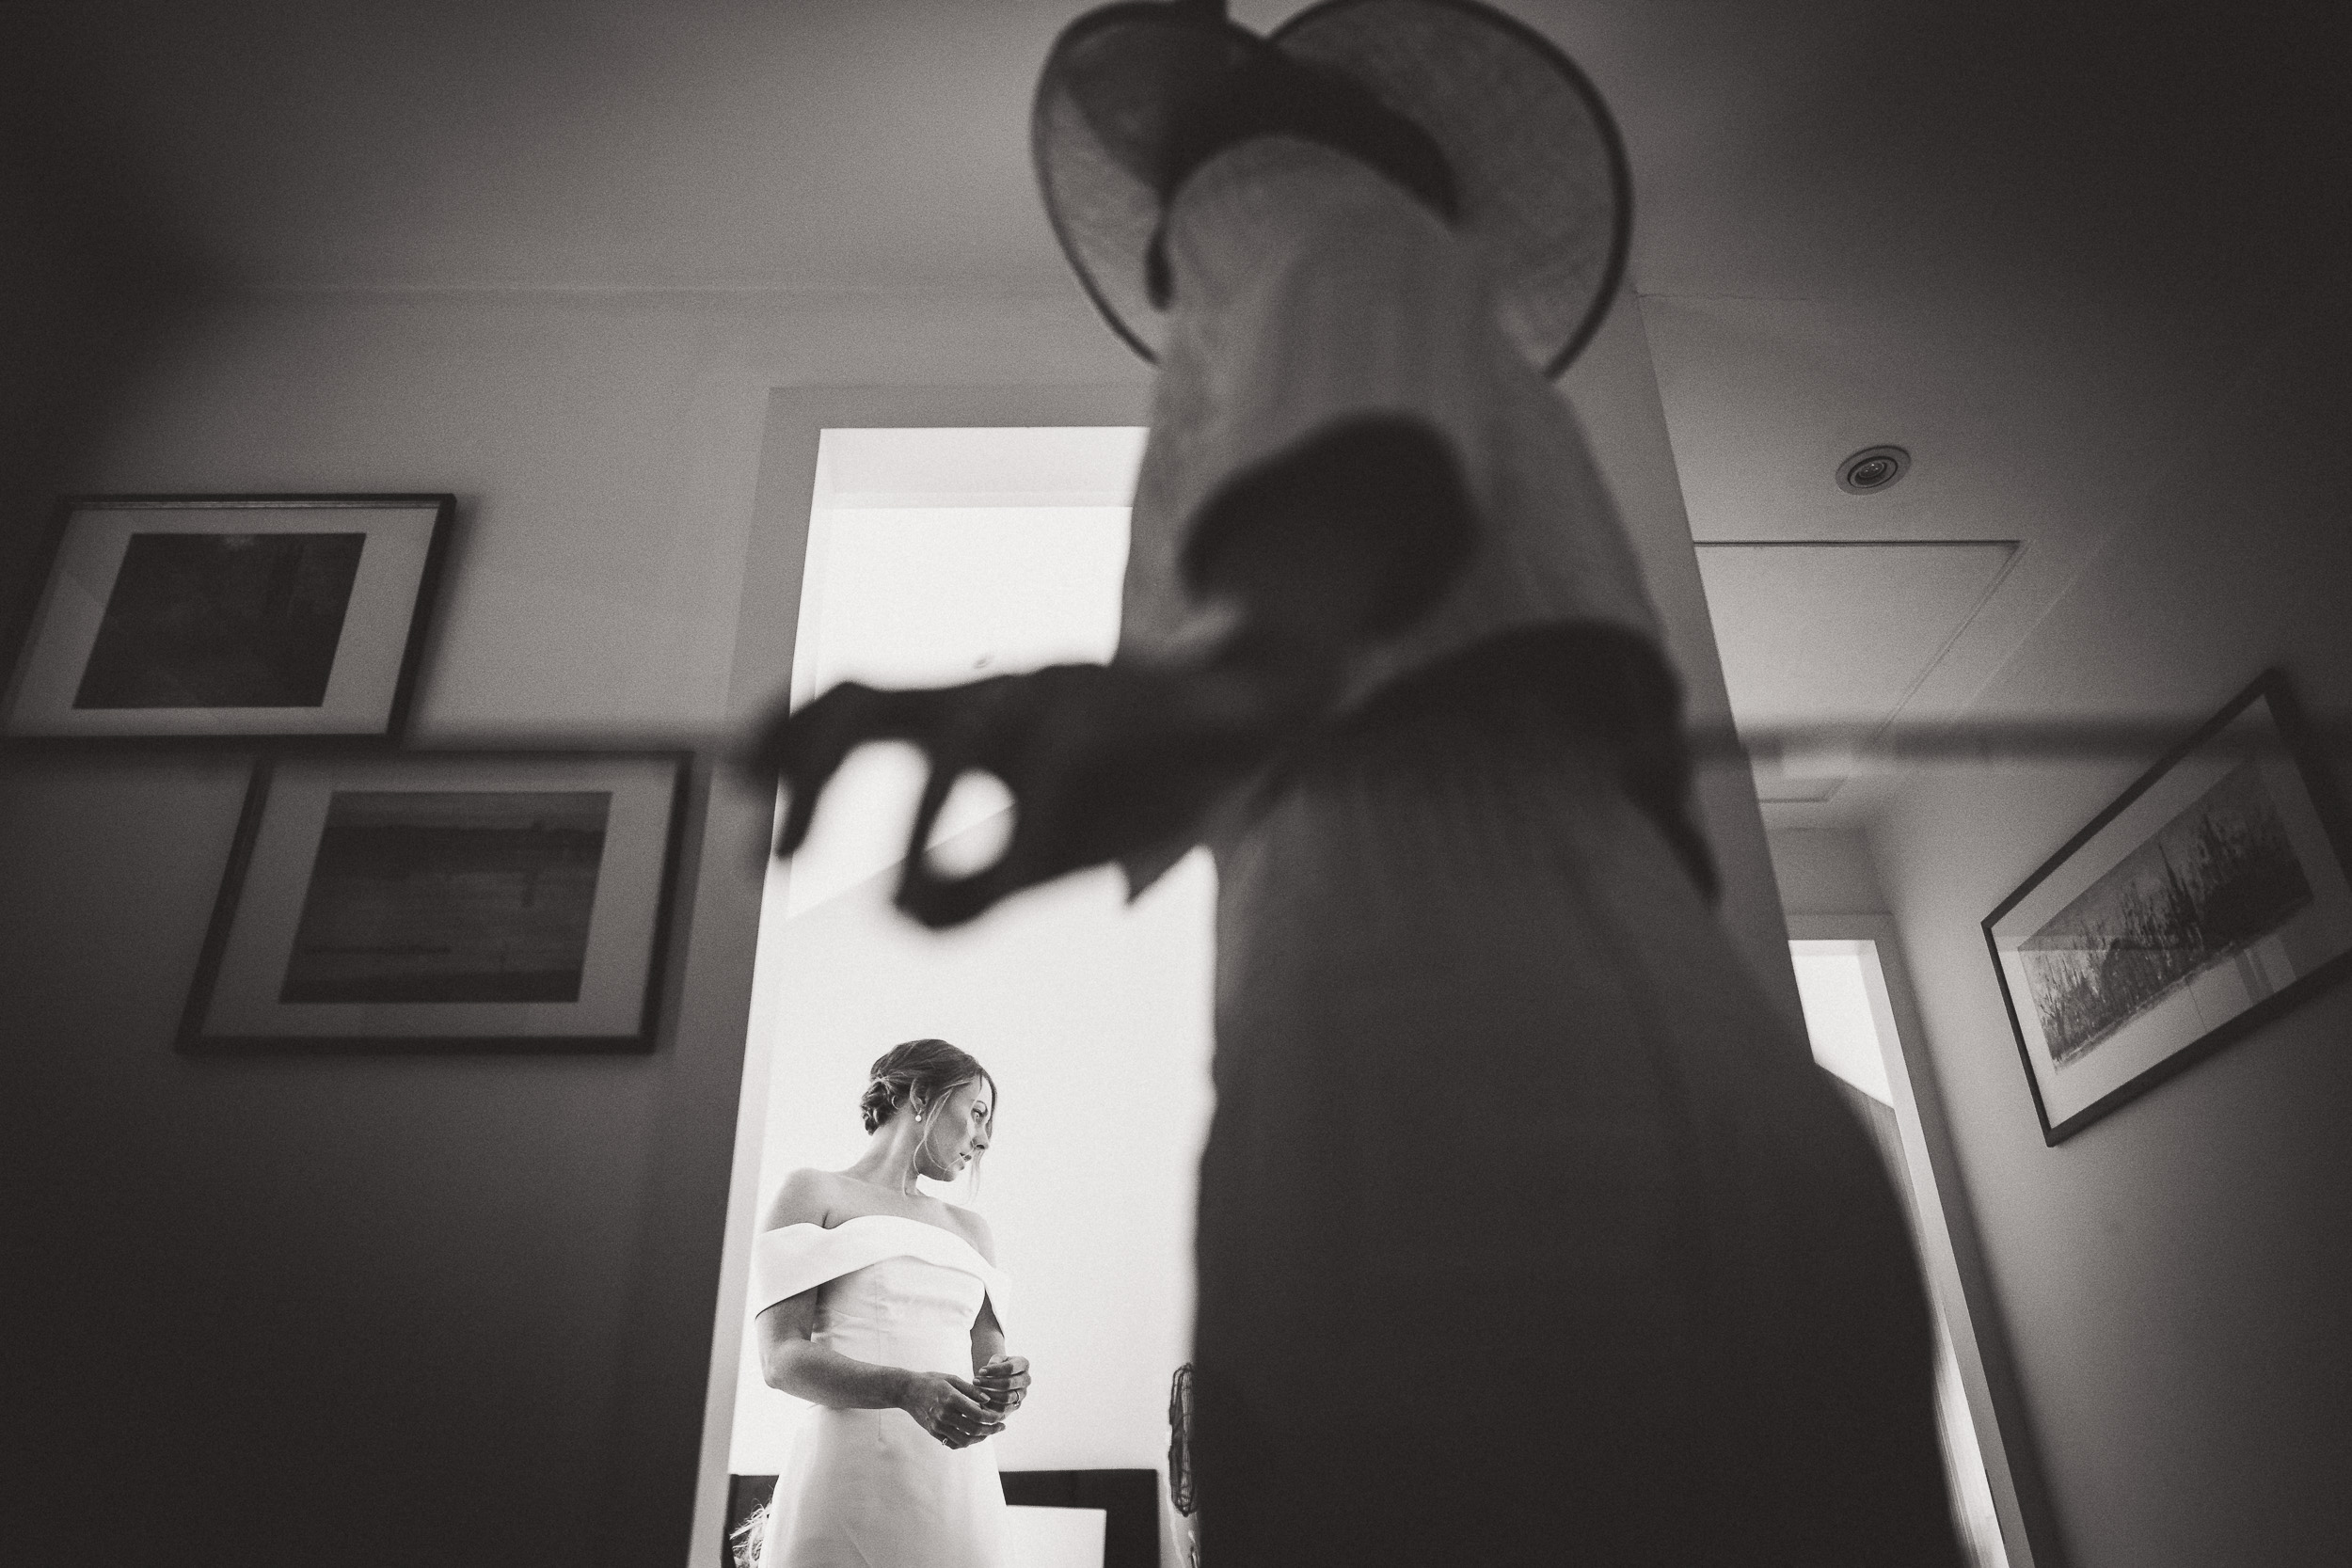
[1825,871]
[2173,1278]
[604,447]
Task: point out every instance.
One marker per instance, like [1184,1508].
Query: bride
[868,1293]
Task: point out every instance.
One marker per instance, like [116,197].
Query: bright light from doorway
[1838,1014]
[937,557]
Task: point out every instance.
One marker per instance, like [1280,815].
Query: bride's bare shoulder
[973,1226]
[806,1197]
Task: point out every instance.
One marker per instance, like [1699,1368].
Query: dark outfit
[1526,1234]
[1528,1231]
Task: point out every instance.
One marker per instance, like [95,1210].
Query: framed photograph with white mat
[229,616]
[443,901]
[2210,896]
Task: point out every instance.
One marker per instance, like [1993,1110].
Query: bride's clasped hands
[960,1413]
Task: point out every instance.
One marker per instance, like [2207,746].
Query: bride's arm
[1002,1380]
[988,1335]
[790,1360]
[948,1407]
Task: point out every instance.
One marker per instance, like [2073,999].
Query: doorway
[937,555]
[1851,1020]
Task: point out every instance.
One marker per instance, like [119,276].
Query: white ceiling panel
[1840,633]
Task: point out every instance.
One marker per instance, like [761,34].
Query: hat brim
[1541,180]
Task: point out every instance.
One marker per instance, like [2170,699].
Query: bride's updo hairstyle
[920,1069]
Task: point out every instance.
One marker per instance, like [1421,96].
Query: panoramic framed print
[208,616]
[443,901]
[2210,896]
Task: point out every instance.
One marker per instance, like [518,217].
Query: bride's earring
[914,1156]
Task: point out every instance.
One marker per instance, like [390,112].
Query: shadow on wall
[94,278]
[94,284]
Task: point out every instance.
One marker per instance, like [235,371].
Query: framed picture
[2210,896]
[195,616]
[443,901]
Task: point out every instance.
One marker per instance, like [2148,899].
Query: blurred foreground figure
[1527,1233]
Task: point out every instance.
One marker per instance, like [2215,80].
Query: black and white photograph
[2212,893]
[424,895]
[222,620]
[442,901]
[211,617]
[1175,784]
[2218,880]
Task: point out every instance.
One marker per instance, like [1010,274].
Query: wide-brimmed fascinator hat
[1474,113]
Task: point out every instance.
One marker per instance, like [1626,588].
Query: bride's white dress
[870,1488]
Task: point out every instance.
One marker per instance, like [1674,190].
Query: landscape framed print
[2210,896]
[443,901]
[229,616]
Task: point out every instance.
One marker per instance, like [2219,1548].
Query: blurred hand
[1101,760]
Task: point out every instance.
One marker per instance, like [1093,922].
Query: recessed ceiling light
[1872,469]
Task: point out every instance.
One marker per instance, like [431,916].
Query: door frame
[1950,1252]
[766,630]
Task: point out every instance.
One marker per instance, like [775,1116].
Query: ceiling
[2035,244]
[1847,633]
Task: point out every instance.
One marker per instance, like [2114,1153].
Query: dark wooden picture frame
[228,617]
[425,902]
[2211,897]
